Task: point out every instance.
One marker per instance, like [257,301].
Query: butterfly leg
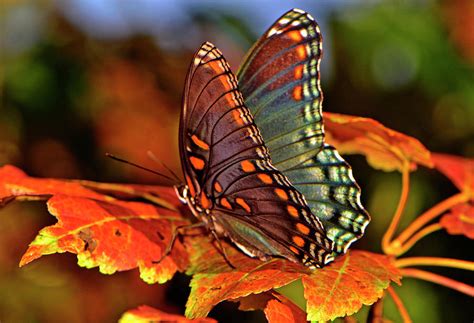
[221,249]
[176,232]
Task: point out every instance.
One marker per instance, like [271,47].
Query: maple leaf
[215,281]
[384,148]
[458,169]
[14,183]
[113,235]
[103,231]
[146,314]
[338,289]
[341,288]
[277,308]
[460,220]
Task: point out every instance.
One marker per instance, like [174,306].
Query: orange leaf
[114,236]
[147,314]
[384,148]
[281,310]
[459,170]
[214,281]
[277,307]
[340,289]
[15,183]
[460,220]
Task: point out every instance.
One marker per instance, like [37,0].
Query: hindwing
[280,81]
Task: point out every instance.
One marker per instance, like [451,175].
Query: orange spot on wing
[230,99]
[265,178]
[302,228]
[292,210]
[196,162]
[298,93]
[225,203]
[199,142]
[225,82]
[237,117]
[294,250]
[192,190]
[281,194]
[217,187]
[247,166]
[298,72]
[301,51]
[295,35]
[205,202]
[298,241]
[216,66]
[243,204]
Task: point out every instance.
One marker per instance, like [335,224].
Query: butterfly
[256,168]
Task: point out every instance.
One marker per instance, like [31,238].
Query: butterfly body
[231,182]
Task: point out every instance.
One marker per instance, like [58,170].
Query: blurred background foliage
[81,78]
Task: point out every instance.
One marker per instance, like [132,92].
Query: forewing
[230,173]
[280,83]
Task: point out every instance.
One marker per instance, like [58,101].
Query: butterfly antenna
[153,157]
[141,167]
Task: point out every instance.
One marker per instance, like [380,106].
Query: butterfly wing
[280,83]
[233,185]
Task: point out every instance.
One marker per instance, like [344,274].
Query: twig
[440,280]
[386,245]
[435,261]
[401,308]
[431,214]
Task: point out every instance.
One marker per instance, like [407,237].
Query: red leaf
[384,148]
[281,310]
[340,289]
[460,220]
[15,183]
[214,281]
[459,170]
[112,235]
[147,314]
[277,307]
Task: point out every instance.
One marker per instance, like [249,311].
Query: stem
[414,239]
[387,247]
[398,302]
[376,311]
[435,261]
[440,280]
[429,215]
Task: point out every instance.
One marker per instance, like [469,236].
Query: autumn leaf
[460,220]
[147,314]
[341,288]
[384,148]
[336,290]
[277,308]
[215,281]
[103,231]
[113,235]
[458,169]
[14,184]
